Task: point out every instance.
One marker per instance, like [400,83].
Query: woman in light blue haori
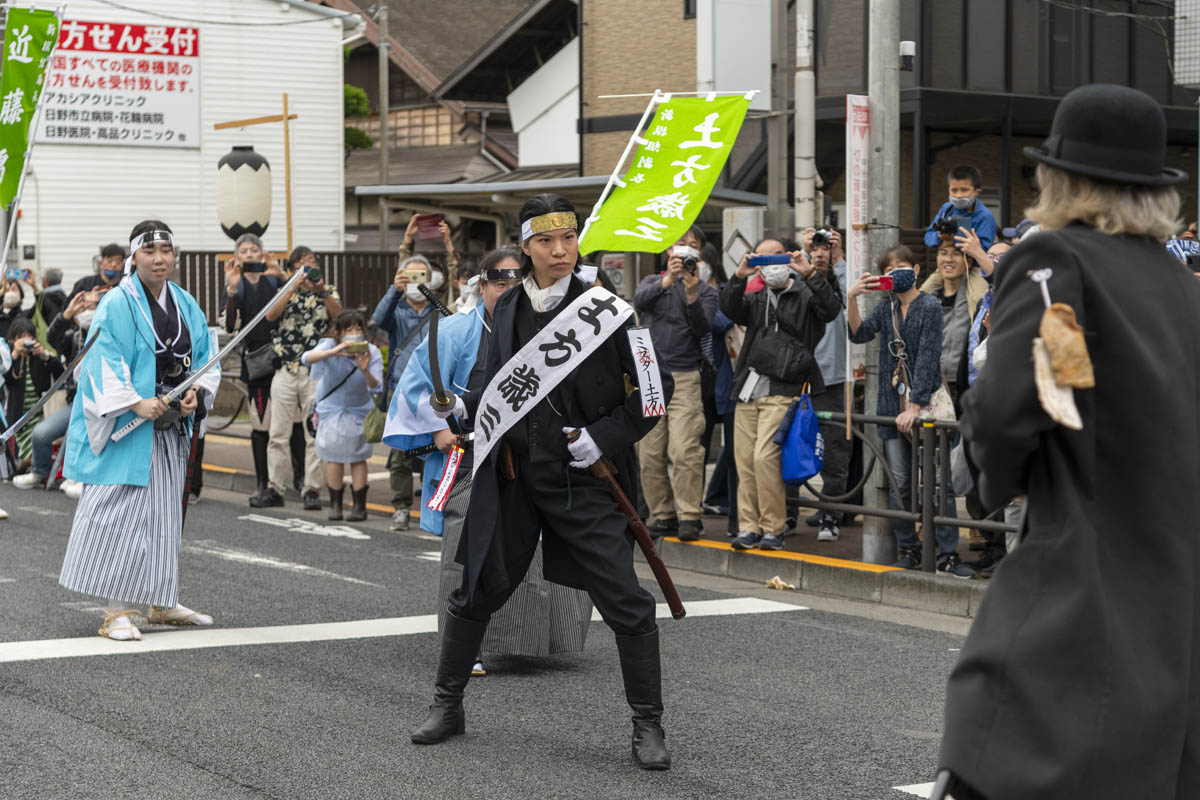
[125,540]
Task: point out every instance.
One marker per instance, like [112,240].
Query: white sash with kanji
[532,373]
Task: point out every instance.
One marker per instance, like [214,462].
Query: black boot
[258,447]
[359,512]
[335,502]
[296,445]
[642,672]
[460,644]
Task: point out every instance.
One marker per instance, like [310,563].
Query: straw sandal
[179,615]
[110,626]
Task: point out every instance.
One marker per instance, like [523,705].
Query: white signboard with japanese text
[116,84]
[858,145]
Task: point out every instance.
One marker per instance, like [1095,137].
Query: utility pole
[381,20]
[777,125]
[805,167]
[883,86]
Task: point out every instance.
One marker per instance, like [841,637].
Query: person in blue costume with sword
[541,618]
[125,540]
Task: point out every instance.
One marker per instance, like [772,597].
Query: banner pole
[613,179]
[59,13]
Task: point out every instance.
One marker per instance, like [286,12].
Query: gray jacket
[676,325]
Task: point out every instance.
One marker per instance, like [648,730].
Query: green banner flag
[680,156]
[29,40]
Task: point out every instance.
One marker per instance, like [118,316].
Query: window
[689,9]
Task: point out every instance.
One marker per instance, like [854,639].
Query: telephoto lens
[314,275]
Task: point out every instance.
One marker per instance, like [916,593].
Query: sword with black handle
[178,392]
[606,471]
[441,400]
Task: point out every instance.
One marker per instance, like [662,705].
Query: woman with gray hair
[1080,675]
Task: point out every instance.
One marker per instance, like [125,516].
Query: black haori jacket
[1081,675]
[594,396]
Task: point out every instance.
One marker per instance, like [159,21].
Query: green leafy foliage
[355,102]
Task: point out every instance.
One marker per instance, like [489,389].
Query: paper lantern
[243,192]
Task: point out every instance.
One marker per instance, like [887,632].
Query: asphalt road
[825,699]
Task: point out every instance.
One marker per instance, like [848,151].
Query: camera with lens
[690,262]
[947,226]
[313,274]
[822,238]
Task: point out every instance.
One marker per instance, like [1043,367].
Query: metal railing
[929,481]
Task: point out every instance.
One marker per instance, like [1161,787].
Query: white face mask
[436,280]
[354,337]
[414,294]
[84,318]
[12,299]
[703,271]
[776,275]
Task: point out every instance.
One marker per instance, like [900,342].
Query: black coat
[803,310]
[1081,675]
[43,370]
[594,396]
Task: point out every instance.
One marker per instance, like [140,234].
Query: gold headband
[548,222]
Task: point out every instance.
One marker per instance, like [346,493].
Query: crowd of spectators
[739,346]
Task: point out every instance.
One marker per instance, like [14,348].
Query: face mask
[436,280]
[414,294]
[12,299]
[776,275]
[962,203]
[111,274]
[354,337]
[683,251]
[703,271]
[84,318]
[903,279]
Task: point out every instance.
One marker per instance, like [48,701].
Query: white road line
[432,555]
[916,789]
[301,525]
[155,641]
[210,548]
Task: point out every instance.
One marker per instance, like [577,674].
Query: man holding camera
[963,209]
[784,322]
[824,248]
[303,315]
[678,308]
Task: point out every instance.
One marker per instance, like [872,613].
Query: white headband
[150,237]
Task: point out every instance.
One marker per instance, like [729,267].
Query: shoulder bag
[312,419]
[941,406]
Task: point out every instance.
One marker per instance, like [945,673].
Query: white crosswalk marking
[432,555]
[916,789]
[156,640]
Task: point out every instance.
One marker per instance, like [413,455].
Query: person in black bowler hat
[1081,675]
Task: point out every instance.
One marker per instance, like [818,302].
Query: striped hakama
[540,618]
[125,539]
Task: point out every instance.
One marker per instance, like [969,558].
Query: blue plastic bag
[799,437]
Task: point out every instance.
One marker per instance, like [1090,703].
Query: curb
[835,577]
[236,480]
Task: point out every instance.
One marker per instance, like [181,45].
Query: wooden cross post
[287,153]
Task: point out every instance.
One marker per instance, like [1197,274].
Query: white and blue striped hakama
[125,539]
[540,618]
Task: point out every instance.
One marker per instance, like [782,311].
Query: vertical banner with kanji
[858,145]
[29,38]
[680,156]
